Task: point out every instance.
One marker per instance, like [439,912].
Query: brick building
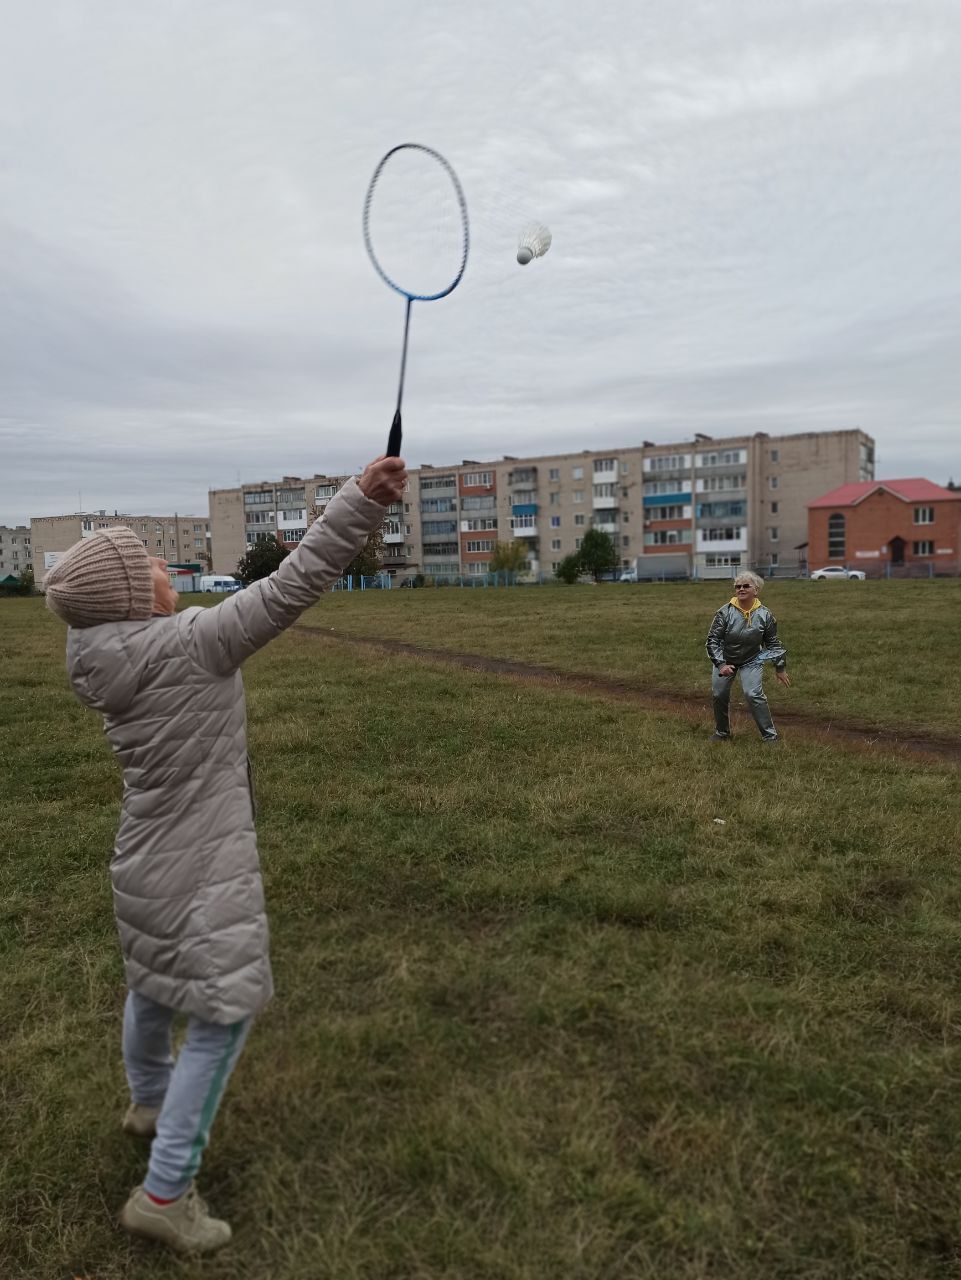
[885,525]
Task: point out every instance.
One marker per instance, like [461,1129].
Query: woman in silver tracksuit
[743,636]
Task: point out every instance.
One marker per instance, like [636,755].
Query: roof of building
[915,490]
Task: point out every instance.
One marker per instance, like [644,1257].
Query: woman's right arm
[715,639]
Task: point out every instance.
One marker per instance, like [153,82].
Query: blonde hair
[756,582]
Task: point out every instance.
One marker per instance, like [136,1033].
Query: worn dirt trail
[849,733]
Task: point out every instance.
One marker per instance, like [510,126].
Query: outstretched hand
[782,677]
[384,480]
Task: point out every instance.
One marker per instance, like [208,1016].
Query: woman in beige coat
[186,880]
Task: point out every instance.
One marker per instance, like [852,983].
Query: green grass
[538,1013]
[882,653]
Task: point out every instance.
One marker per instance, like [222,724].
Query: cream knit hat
[105,578]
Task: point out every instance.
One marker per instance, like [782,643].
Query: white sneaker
[141,1121]
[184,1225]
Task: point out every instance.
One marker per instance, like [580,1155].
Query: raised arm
[221,638]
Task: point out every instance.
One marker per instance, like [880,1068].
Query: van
[219,582]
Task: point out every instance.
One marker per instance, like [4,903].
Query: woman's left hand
[782,677]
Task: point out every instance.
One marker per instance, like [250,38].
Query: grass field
[539,1013]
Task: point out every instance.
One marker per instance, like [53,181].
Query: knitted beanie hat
[105,578]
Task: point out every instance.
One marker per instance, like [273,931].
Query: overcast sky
[755,205]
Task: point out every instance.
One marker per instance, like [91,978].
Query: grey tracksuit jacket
[734,640]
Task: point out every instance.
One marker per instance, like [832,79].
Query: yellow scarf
[746,613]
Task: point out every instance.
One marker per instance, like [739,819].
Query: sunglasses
[743,586]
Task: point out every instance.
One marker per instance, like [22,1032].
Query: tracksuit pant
[188,1090]
[754,695]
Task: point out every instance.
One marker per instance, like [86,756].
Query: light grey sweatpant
[187,1090]
[754,694]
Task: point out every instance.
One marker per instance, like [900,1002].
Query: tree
[369,559]
[508,557]
[598,552]
[569,569]
[261,560]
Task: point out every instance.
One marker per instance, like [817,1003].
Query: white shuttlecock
[535,240]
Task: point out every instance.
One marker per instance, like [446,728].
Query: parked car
[836,571]
[629,575]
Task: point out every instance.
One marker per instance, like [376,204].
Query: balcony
[607,525]
[605,502]
[523,530]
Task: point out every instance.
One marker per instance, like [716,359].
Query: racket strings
[415,223]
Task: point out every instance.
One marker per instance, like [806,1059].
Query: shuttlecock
[534,242]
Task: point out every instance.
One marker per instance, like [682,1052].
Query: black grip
[394,439]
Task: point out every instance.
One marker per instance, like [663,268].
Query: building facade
[907,526]
[284,509]
[177,539]
[719,504]
[14,550]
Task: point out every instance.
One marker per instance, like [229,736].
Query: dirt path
[850,733]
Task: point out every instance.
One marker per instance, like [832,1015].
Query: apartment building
[721,503]
[178,539]
[743,500]
[14,550]
[284,509]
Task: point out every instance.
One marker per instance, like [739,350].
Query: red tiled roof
[916,490]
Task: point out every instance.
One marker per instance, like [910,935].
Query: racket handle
[394,439]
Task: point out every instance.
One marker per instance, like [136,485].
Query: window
[479,566]
[160,544]
[772,533]
[668,462]
[555,522]
[555,473]
[775,455]
[605,464]
[667,513]
[773,482]
[478,504]
[923,548]
[577,543]
[774,508]
[717,562]
[143,528]
[480,544]
[555,499]
[290,497]
[625,516]
[264,498]
[437,528]
[625,468]
[441,549]
[924,515]
[577,473]
[578,495]
[144,541]
[773,559]
[579,520]
[437,482]
[625,541]
[555,544]
[836,539]
[478,524]
[324,492]
[198,528]
[604,490]
[667,537]
[476,478]
[440,504]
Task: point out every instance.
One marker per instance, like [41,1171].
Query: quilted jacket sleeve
[715,638]
[221,638]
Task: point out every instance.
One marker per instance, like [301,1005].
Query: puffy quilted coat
[186,878]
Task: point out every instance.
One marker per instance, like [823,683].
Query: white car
[836,571]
